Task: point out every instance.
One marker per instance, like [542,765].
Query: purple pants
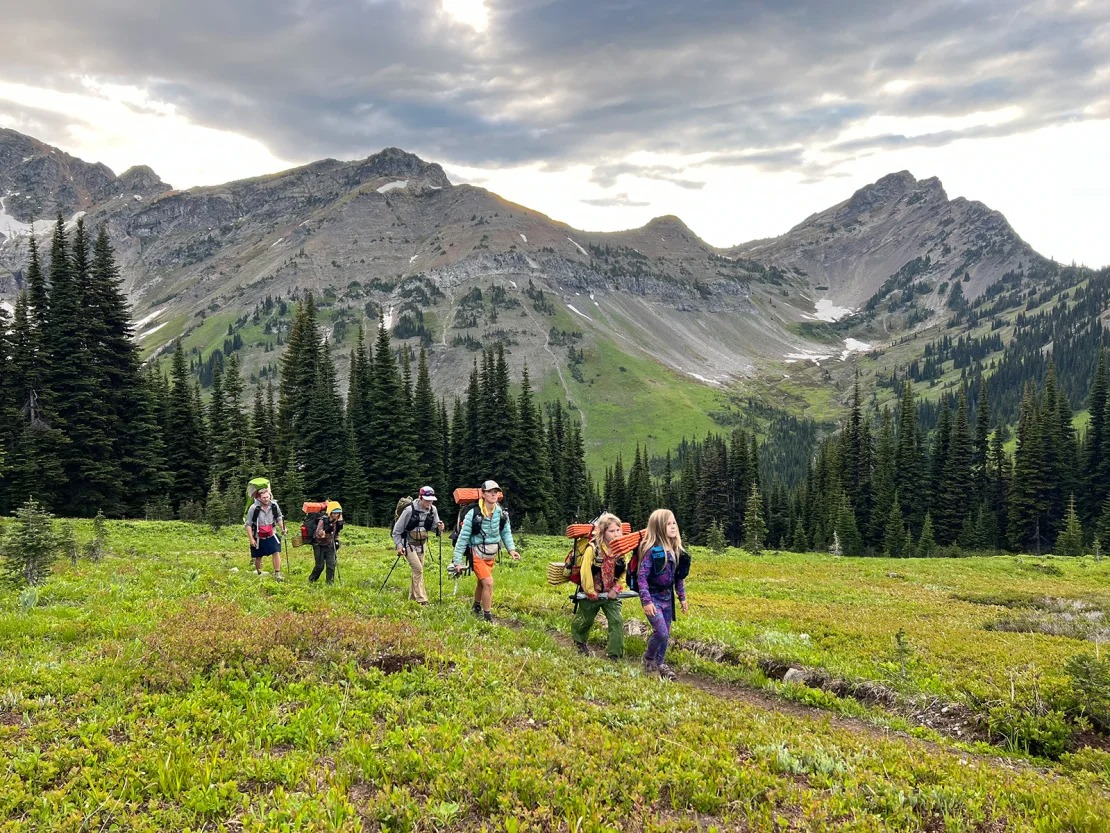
[660,628]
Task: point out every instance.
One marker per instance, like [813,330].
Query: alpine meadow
[884,436]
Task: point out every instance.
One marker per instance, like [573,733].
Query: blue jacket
[490,533]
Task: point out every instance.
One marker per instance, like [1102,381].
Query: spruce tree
[393,449]
[1095,486]
[927,544]
[535,489]
[894,536]
[755,527]
[186,451]
[1070,541]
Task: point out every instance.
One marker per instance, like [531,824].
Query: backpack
[476,524]
[682,570]
[265,530]
[403,504]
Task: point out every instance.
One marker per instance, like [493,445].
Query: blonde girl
[659,582]
[601,573]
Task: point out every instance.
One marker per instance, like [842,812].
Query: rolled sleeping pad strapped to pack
[626,527]
[465,495]
[624,594]
[557,573]
[580,530]
[626,543]
[311,506]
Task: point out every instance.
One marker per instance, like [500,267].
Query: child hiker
[659,581]
[601,573]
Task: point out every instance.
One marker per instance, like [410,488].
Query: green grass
[159,690]
[643,403]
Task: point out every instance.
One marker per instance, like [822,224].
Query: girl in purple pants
[660,580]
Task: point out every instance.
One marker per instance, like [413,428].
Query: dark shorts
[266,546]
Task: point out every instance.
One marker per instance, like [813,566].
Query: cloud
[574,80]
[618,200]
[607,175]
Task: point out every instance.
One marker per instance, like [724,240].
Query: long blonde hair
[601,526]
[656,533]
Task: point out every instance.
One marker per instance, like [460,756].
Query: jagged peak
[394,161]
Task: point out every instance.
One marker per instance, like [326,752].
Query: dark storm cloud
[747,83]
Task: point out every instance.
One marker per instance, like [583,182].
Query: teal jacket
[490,534]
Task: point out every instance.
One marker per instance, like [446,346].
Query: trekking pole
[335,556]
[439,535]
[387,575]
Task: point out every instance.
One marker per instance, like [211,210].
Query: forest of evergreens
[85,427]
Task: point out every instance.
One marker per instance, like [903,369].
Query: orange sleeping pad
[311,506]
[626,543]
[465,495]
[580,530]
[626,527]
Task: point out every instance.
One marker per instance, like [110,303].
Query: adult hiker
[483,531]
[659,580]
[263,521]
[601,572]
[410,535]
[325,541]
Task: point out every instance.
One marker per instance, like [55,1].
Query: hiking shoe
[279,577]
[666,672]
[582,648]
[613,658]
[476,609]
[487,616]
[258,572]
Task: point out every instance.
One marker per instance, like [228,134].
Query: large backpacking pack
[659,565]
[570,568]
[318,524]
[416,529]
[263,530]
[463,498]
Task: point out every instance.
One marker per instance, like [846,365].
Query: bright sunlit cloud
[471,12]
[122,126]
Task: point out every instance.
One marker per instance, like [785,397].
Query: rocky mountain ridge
[390,235]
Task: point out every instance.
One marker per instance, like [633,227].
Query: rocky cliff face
[847,252]
[390,234]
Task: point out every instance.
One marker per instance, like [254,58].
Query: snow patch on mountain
[393,186]
[826,310]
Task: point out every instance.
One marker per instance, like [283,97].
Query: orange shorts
[483,568]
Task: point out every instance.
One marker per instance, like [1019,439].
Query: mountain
[454,267]
[847,252]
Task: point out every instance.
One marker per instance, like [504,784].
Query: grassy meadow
[166,687]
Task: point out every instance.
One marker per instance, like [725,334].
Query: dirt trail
[769,702]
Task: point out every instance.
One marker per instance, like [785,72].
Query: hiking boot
[278,576]
[666,672]
[487,616]
[258,572]
[476,609]
[582,648]
[613,658]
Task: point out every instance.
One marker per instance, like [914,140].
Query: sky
[742,118]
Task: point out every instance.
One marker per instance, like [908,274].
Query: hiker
[325,541]
[410,534]
[658,581]
[600,581]
[263,520]
[481,533]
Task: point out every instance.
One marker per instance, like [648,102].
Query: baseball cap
[491,486]
[427,493]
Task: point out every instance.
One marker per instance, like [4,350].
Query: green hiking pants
[584,620]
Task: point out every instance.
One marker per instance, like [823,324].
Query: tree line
[86,428]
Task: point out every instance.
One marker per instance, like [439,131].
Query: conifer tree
[909,465]
[355,488]
[894,536]
[927,544]
[845,527]
[185,448]
[1095,486]
[428,462]
[1027,506]
[1070,541]
[535,488]
[883,489]
[390,467]
[755,527]
[956,485]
